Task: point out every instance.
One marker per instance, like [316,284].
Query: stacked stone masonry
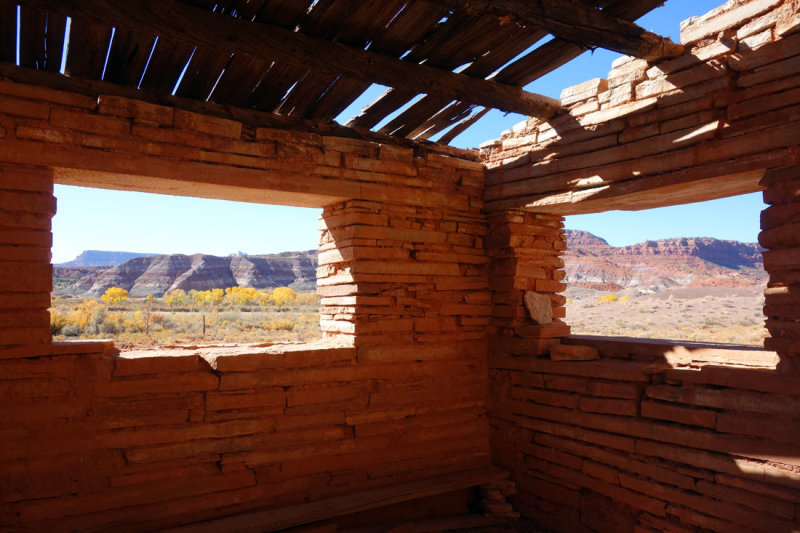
[780,234]
[630,442]
[700,126]
[430,362]
[138,442]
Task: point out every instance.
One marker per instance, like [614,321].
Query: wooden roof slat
[284,13]
[226,34]
[128,57]
[550,56]
[270,91]
[540,61]
[358,23]
[443,119]
[325,21]
[460,128]
[558,52]
[247,9]
[240,79]
[380,108]
[436,50]
[413,24]
[166,65]
[509,41]
[41,39]
[204,69]
[8,32]
[87,54]
[576,21]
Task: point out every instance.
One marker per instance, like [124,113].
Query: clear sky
[112,220]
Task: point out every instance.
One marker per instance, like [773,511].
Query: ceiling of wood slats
[417,31]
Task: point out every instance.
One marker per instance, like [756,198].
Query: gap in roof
[108,52]
[363,100]
[183,72]
[67,26]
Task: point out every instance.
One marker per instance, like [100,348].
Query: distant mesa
[652,266]
[101,258]
[590,263]
[141,275]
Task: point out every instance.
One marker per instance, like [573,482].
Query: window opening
[188,271]
[698,277]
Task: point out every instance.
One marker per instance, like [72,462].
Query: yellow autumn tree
[240,295]
[114,295]
[176,298]
[281,295]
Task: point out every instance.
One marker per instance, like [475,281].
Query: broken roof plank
[182,22]
[128,57]
[432,114]
[575,21]
[87,59]
[482,41]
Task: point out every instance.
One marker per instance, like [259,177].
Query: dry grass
[126,323]
[708,314]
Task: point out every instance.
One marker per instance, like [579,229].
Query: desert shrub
[57,321]
[280,324]
[72,330]
[112,324]
[607,299]
[624,298]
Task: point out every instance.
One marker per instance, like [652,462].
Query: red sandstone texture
[418,292]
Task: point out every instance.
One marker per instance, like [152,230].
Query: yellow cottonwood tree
[281,295]
[114,295]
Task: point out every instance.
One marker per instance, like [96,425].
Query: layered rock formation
[592,263]
[156,275]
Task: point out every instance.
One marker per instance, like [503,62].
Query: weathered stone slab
[539,307]
[570,352]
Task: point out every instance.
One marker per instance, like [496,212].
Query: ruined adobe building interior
[435,399]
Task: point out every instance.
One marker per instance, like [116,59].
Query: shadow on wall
[698,127]
[649,435]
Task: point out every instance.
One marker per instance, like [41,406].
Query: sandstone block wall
[630,442]
[526,250]
[26,207]
[655,437]
[105,136]
[780,234]
[701,126]
[396,392]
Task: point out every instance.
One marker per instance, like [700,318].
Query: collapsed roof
[445,63]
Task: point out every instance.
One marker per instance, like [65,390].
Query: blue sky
[113,220]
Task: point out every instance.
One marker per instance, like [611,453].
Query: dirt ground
[710,314]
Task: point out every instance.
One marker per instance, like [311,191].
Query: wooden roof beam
[573,20]
[184,23]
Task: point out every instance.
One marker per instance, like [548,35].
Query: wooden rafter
[184,23]
[574,20]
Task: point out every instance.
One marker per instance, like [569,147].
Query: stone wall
[704,125]
[780,234]
[102,135]
[629,435]
[395,392]
[649,438]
